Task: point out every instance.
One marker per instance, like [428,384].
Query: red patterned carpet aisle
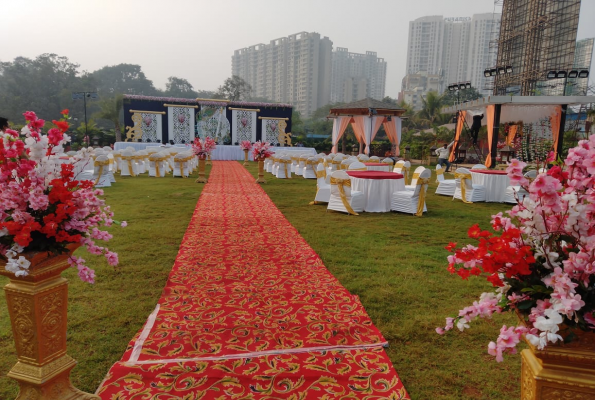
[250,312]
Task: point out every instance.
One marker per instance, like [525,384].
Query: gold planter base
[201,171]
[261,171]
[52,381]
[245,158]
[37,305]
[560,372]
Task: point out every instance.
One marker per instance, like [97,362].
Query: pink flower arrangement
[540,258]
[245,145]
[203,147]
[261,150]
[43,208]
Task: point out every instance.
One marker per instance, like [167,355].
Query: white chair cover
[323,189]
[479,166]
[518,190]
[374,159]
[284,169]
[357,166]
[309,172]
[407,201]
[414,178]
[473,193]
[101,171]
[340,182]
[445,187]
[127,163]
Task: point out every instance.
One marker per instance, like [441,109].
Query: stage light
[573,74]
[584,73]
[509,69]
[486,73]
[493,71]
[461,86]
[501,70]
[562,74]
[451,87]
[552,75]
[468,85]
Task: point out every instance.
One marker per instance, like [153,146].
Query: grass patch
[102,318]
[396,264]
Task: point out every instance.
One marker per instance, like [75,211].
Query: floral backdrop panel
[243,126]
[151,127]
[181,123]
[270,131]
[213,123]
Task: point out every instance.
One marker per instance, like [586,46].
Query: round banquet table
[494,181]
[377,187]
[378,167]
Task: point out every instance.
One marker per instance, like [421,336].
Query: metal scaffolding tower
[536,36]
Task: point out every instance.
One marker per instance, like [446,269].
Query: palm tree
[110,110]
[430,112]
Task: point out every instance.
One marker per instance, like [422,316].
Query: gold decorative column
[37,305]
[201,170]
[209,159]
[564,371]
[245,157]
[261,171]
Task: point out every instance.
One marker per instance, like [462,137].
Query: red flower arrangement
[261,150]
[43,208]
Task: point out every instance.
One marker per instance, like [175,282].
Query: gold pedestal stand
[37,305]
[245,157]
[261,171]
[201,170]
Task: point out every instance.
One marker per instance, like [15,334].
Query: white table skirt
[221,152]
[377,192]
[384,168]
[495,185]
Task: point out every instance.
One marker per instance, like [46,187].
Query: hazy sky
[195,39]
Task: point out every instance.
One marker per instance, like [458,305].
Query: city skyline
[194,40]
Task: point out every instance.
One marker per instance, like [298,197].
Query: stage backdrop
[174,120]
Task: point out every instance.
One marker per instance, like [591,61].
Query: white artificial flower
[10,254]
[23,262]
[462,324]
[549,322]
[3,232]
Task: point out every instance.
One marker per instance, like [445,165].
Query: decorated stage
[221,152]
[250,311]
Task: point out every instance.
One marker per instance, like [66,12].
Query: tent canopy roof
[519,101]
[362,107]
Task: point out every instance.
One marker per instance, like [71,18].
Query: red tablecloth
[489,171]
[374,175]
[375,164]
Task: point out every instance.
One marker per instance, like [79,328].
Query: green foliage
[179,87]
[123,78]
[234,89]
[111,110]
[460,96]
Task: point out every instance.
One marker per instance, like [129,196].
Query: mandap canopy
[528,121]
[366,116]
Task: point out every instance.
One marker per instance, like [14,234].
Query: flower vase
[560,371]
[201,170]
[245,157]
[37,305]
[209,159]
[261,170]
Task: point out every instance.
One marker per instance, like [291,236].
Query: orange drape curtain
[460,123]
[390,127]
[343,123]
[358,125]
[555,120]
[377,124]
[512,130]
[490,111]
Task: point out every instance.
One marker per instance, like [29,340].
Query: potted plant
[245,145]
[541,261]
[260,152]
[202,148]
[45,214]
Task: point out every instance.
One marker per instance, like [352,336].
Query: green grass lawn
[396,263]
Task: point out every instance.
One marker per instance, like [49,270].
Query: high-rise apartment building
[583,55]
[357,76]
[294,69]
[456,49]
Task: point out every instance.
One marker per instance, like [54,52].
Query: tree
[430,114]
[123,79]
[110,110]
[179,87]
[234,89]
[460,96]
[44,85]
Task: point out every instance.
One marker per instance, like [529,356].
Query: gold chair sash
[387,162]
[100,164]
[358,169]
[129,159]
[415,177]
[439,172]
[463,178]
[341,183]
[312,162]
[181,165]
[285,162]
[422,195]
[405,172]
[321,174]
